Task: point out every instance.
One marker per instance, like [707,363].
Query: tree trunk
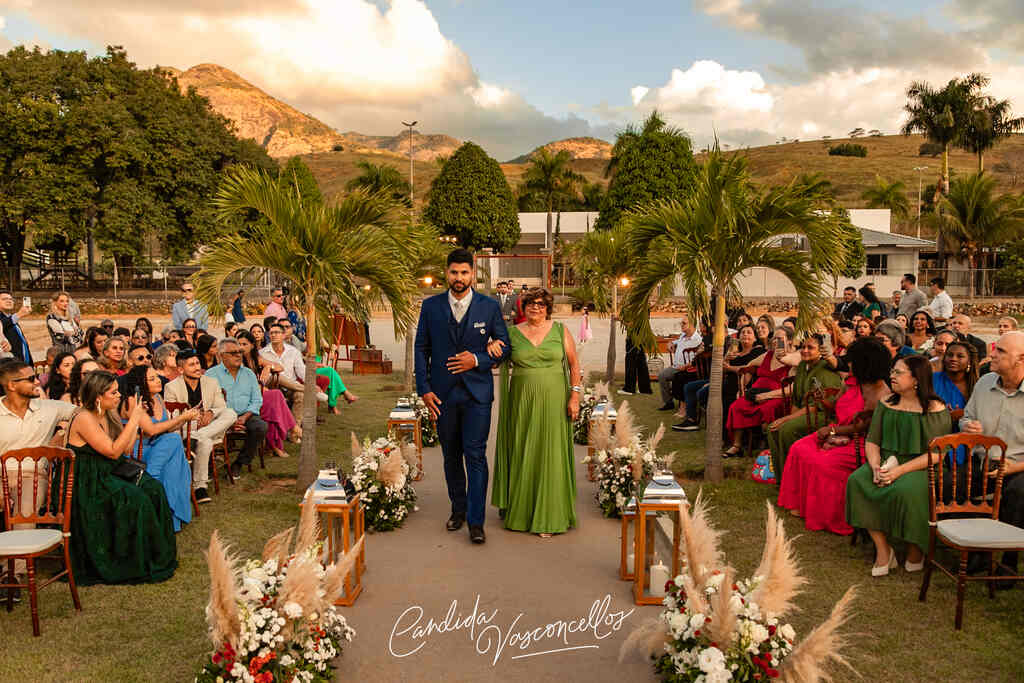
[944,181]
[609,375]
[981,162]
[307,451]
[547,234]
[410,349]
[713,441]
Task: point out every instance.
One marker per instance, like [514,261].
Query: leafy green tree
[888,195]
[550,177]
[297,175]
[472,200]
[326,252]
[649,163]
[381,178]
[989,122]
[1009,278]
[976,221]
[942,115]
[710,237]
[593,196]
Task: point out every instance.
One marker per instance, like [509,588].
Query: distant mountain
[578,148]
[285,131]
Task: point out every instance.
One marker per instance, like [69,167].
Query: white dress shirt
[459,306]
[290,359]
[36,428]
[686,347]
[941,306]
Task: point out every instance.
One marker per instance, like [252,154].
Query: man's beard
[458,287]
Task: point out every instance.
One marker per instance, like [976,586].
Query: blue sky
[512,75]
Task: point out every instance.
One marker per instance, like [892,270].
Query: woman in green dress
[121,531]
[888,495]
[812,373]
[534,484]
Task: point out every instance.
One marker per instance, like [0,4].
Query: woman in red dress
[765,403]
[818,465]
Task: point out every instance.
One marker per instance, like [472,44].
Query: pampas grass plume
[601,391]
[334,579]
[781,580]
[723,614]
[357,450]
[309,527]
[700,540]
[408,451]
[624,428]
[390,471]
[277,546]
[301,585]
[653,442]
[646,640]
[222,610]
[824,645]
[601,434]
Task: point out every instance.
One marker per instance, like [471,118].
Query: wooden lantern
[342,524]
[408,429]
[656,535]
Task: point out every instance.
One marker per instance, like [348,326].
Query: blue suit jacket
[437,340]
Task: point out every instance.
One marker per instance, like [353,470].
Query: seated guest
[274,411]
[183,345]
[26,421]
[140,338]
[955,382]
[904,321]
[121,531]
[864,328]
[64,331]
[762,400]
[139,355]
[244,397]
[79,372]
[331,384]
[163,451]
[893,336]
[849,306]
[891,500]
[112,358]
[962,324]
[194,389]
[813,373]
[51,355]
[813,482]
[59,376]
[683,350]
[144,324]
[922,332]
[95,338]
[165,362]
[943,338]
[206,348]
[763,329]
[996,408]
[744,353]
[190,331]
[289,335]
[872,306]
[165,336]
[270,320]
[293,369]
[259,335]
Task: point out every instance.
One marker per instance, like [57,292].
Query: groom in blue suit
[453,375]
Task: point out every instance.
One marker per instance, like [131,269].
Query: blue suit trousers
[462,428]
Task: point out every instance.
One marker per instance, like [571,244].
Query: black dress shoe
[668,406]
[455,522]
[501,513]
[476,534]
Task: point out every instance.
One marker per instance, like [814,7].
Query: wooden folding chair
[863,421]
[968,534]
[185,432]
[34,508]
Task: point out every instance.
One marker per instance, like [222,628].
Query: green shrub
[929,149]
[848,149]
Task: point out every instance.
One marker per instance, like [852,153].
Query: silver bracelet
[578,389]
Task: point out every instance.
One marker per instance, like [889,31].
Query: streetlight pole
[412,211]
[919,169]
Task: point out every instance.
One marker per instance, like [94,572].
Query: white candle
[659,577]
[630,563]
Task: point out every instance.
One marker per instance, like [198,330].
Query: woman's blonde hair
[53,300]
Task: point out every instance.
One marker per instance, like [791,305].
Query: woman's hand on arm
[494,348]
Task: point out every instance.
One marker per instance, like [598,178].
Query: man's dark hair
[938,282]
[791,320]
[460,256]
[273,325]
[228,326]
[850,289]
[910,277]
[9,368]
[122,332]
[136,347]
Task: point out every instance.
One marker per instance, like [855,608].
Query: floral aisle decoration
[273,618]
[625,462]
[382,474]
[592,396]
[428,428]
[716,628]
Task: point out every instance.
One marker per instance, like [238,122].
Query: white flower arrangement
[428,428]
[382,473]
[581,427]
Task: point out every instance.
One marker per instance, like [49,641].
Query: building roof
[875,238]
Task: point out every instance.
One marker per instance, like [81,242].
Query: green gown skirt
[534,468]
[120,532]
[780,440]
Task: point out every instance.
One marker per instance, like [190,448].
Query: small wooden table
[644,545]
[343,524]
[406,425]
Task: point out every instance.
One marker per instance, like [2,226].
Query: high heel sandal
[732,452]
[914,566]
[891,564]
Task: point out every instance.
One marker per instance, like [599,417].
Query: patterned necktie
[460,310]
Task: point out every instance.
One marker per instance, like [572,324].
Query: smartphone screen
[780,344]
[26,301]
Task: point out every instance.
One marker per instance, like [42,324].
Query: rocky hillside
[578,148]
[424,147]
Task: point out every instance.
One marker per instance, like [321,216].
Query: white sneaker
[321,396]
[625,393]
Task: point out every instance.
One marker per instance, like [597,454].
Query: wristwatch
[578,389]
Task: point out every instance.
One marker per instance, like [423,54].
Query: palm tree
[550,177]
[977,221]
[326,252]
[709,238]
[630,134]
[601,262]
[886,195]
[377,178]
[942,115]
[989,122]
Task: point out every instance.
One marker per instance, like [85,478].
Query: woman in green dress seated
[121,531]
[888,495]
[813,373]
[534,469]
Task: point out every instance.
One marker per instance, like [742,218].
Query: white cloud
[707,86]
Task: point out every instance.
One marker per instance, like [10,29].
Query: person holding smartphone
[14,340]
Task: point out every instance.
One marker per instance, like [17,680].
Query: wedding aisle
[518,586]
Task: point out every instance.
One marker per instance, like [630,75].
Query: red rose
[707,620]
[771,630]
[772,673]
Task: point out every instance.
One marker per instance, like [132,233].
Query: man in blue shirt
[244,396]
[187,308]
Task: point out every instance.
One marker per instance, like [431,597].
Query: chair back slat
[50,500]
[942,455]
[185,429]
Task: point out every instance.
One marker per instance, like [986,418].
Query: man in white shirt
[941,307]
[288,362]
[683,350]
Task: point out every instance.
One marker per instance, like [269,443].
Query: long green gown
[534,468]
[900,509]
[818,375]
[120,532]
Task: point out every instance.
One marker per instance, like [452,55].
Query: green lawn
[158,632]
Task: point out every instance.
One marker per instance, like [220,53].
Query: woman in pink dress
[585,332]
[762,401]
[818,465]
[274,411]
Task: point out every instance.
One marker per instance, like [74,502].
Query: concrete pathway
[513,584]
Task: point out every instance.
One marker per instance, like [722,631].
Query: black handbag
[749,394]
[129,469]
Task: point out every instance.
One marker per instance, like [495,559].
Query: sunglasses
[24,379]
[141,357]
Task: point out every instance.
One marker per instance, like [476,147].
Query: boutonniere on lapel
[480,326]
